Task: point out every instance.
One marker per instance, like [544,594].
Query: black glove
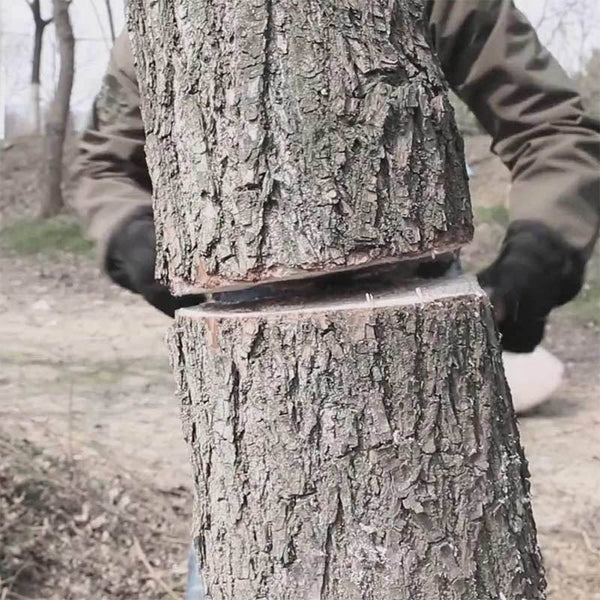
[130,260]
[535,271]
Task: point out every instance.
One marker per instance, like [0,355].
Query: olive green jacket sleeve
[113,179]
[494,61]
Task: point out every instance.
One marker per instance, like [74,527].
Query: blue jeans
[195,586]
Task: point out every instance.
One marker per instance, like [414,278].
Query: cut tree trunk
[290,137]
[356,449]
[58,114]
[344,449]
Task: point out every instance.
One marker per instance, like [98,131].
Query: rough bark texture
[361,450]
[287,136]
[58,114]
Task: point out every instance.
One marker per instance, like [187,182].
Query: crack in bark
[420,369]
[234,418]
[268,184]
[334,523]
[388,393]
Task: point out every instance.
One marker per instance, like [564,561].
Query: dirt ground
[84,373]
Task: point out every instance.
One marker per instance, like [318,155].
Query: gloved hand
[130,260]
[535,271]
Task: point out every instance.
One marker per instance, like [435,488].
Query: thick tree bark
[285,137]
[361,449]
[58,115]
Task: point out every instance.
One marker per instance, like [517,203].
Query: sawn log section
[290,137]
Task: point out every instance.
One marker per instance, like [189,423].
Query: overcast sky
[91,28]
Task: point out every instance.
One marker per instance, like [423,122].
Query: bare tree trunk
[360,446]
[36,63]
[58,115]
[35,90]
[111,21]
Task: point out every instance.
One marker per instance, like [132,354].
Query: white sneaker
[532,378]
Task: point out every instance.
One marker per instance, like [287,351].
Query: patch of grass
[497,214]
[45,236]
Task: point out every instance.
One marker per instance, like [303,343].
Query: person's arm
[494,61]
[112,177]
[114,192]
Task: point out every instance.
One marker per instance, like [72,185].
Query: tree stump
[358,448]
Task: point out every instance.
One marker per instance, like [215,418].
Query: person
[493,60]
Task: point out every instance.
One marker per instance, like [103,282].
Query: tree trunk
[35,108]
[313,137]
[58,115]
[35,90]
[40,25]
[359,448]
[111,21]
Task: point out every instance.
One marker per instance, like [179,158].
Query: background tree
[58,114]
[111,21]
[588,82]
[40,25]
[569,28]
